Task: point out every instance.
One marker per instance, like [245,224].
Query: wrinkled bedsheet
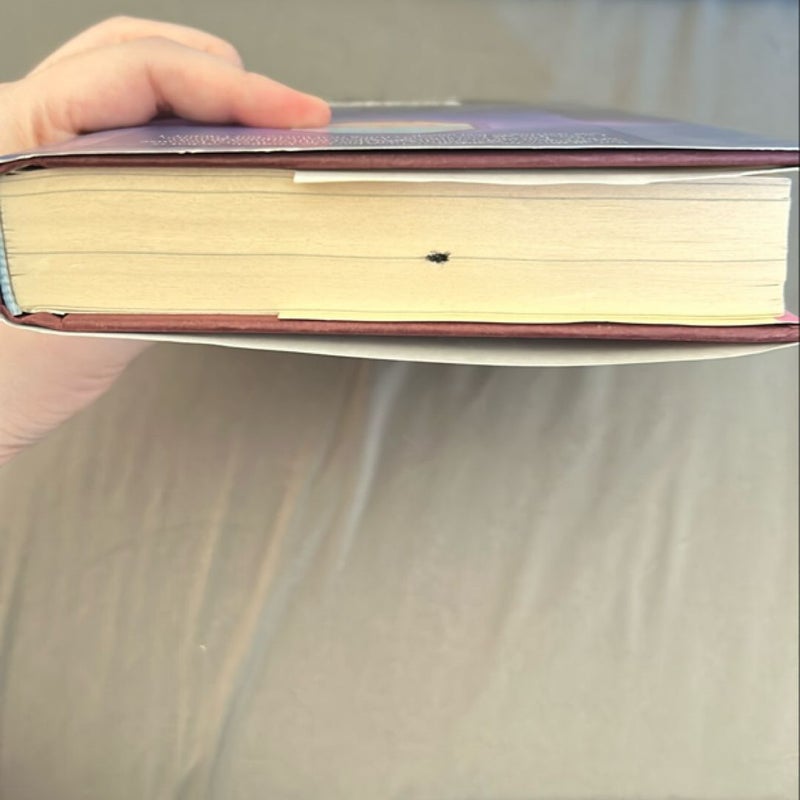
[248,575]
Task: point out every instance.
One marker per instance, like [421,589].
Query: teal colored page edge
[5,277]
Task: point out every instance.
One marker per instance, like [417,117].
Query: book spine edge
[6,292]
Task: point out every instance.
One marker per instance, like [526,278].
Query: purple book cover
[424,127]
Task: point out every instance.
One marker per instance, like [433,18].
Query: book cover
[448,127]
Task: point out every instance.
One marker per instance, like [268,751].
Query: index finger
[129,84]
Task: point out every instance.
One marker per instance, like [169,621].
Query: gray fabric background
[248,575]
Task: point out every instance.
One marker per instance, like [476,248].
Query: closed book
[461,220]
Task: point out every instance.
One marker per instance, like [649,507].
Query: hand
[119,73]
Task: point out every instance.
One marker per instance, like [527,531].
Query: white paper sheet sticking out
[542,177]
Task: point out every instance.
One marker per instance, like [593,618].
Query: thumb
[130,83]
[45,379]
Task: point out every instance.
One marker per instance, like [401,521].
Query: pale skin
[122,72]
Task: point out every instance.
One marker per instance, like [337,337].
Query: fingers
[124,29]
[130,83]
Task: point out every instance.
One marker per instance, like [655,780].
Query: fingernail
[318,113]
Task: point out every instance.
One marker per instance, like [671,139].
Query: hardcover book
[417,221]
